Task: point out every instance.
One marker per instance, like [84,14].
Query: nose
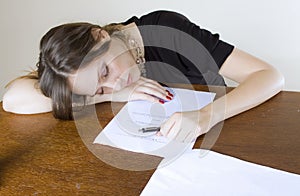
[114,84]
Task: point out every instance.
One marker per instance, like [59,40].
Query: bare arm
[24,97]
[258,81]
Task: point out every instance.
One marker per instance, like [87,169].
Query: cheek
[120,66]
[83,85]
[125,62]
[136,73]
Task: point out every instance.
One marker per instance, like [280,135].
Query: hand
[143,89]
[186,126]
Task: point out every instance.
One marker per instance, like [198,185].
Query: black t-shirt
[179,51]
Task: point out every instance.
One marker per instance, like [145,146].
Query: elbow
[11,103]
[279,80]
[7,104]
[16,105]
[22,97]
[274,82]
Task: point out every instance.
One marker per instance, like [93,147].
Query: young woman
[121,62]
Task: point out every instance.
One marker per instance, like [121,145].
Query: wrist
[215,113]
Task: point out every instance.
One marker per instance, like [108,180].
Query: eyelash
[104,76]
[106,72]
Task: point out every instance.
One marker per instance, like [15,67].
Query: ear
[95,33]
[100,34]
[103,35]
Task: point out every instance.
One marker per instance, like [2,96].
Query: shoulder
[160,17]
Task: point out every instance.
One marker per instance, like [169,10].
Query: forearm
[24,97]
[98,99]
[257,88]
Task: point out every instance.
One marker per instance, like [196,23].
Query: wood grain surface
[40,155]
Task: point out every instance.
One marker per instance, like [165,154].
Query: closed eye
[103,76]
[105,72]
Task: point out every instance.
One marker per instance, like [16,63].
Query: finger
[140,95]
[150,84]
[174,132]
[193,134]
[190,137]
[167,126]
[154,83]
[165,93]
[159,93]
[181,135]
[155,87]
[171,128]
[144,96]
[152,92]
[184,135]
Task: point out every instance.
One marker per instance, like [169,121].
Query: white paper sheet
[122,132]
[211,173]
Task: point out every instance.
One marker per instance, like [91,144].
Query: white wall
[266,28]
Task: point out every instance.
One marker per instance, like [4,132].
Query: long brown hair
[62,50]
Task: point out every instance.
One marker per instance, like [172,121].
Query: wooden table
[42,155]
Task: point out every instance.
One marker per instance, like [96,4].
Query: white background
[267,29]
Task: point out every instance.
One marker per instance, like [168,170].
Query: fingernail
[169,94]
[168,97]
[161,101]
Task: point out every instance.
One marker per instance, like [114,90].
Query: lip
[129,80]
[99,91]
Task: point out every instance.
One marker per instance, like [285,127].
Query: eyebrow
[96,52]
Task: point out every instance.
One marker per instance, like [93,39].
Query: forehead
[86,77]
[116,48]
[106,51]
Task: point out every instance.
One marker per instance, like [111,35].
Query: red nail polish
[168,97]
[169,94]
[161,101]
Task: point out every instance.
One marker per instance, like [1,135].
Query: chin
[136,77]
[133,76]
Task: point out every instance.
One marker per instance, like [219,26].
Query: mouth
[129,80]
[99,91]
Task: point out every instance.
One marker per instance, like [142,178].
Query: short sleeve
[218,49]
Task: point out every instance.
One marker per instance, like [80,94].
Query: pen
[149,129]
